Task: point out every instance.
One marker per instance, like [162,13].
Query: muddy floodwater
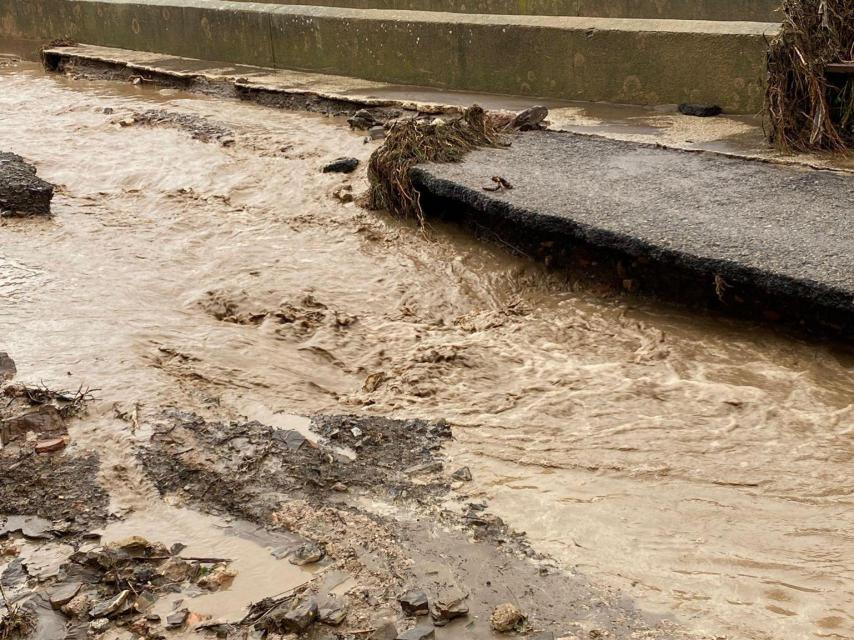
[704,467]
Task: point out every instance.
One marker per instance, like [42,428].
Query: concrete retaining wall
[743,10]
[596,59]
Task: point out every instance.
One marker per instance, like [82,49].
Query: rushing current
[704,467]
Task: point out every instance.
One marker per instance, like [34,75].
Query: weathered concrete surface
[562,57]
[759,227]
[744,10]
[22,192]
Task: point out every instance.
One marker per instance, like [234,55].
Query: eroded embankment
[703,467]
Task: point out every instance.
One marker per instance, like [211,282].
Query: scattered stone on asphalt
[700,110]
[463,474]
[7,367]
[418,633]
[22,192]
[414,603]
[506,617]
[307,553]
[341,165]
[177,619]
[48,446]
[530,119]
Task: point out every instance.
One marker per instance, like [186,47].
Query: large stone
[22,192]
[7,367]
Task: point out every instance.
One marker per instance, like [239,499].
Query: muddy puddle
[701,467]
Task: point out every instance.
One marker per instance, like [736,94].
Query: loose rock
[307,554]
[506,617]
[414,603]
[444,612]
[300,617]
[111,606]
[22,192]
[418,633]
[376,133]
[177,619]
[530,119]
[699,110]
[342,165]
[7,367]
[463,474]
[48,446]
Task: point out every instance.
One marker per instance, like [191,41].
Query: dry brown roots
[412,142]
[806,109]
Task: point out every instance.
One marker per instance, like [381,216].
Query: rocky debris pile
[22,192]
[101,587]
[198,127]
[295,613]
[35,414]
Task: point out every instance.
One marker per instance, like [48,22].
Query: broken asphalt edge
[674,275]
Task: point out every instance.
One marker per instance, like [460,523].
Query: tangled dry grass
[806,109]
[412,142]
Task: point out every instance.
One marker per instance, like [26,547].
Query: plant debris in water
[806,108]
[411,142]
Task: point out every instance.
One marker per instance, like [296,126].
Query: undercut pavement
[749,237]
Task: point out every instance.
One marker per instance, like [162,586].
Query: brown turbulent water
[706,468]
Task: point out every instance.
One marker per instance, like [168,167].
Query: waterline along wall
[627,60]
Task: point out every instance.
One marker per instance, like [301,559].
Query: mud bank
[356,507]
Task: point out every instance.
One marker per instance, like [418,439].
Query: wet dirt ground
[702,467]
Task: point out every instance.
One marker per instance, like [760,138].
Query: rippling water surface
[704,467]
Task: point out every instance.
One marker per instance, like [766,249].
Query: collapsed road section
[741,235]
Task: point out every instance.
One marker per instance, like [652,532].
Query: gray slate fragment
[300,617]
[111,606]
[293,440]
[177,619]
[63,594]
[529,119]
[418,633]
[414,603]
[463,474]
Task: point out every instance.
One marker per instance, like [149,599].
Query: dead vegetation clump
[16,622]
[411,142]
[807,108]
